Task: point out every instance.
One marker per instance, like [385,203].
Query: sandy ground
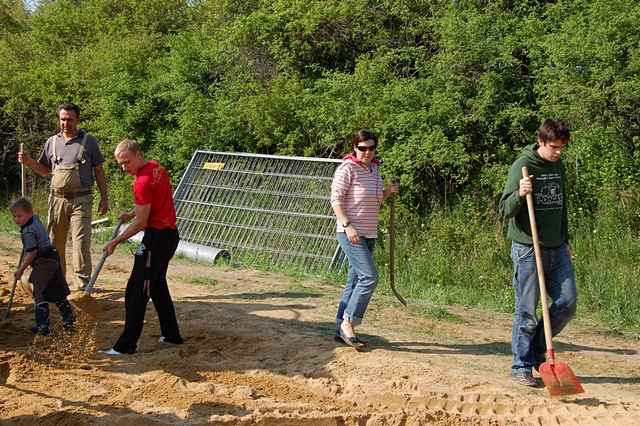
[259,350]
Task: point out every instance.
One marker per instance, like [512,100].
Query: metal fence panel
[268,207]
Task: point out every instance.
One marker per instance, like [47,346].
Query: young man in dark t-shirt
[547,184]
[154,213]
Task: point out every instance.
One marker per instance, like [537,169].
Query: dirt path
[259,350]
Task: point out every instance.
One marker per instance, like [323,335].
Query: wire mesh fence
[265,207]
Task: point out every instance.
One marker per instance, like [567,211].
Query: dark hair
[69,106]
[361,136]
[21,204]
[553,129]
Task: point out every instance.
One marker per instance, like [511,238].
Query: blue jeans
[361,280]
[527,336]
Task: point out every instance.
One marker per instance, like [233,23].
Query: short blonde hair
[128,145]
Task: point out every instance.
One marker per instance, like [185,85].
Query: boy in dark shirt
[49,284]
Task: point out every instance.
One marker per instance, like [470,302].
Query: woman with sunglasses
[357,192]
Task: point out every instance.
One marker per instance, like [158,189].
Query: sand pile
[259,350]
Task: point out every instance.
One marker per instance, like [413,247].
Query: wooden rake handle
[541,281]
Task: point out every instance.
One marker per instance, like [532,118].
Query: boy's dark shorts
[49,285]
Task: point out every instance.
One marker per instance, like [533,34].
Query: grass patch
[201,280]
[454,257]
[460,256]
[6,223]
[438,313]
[265,264]
[299,288]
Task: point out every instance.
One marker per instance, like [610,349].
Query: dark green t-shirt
[549,200]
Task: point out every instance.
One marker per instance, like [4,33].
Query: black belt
[69,195]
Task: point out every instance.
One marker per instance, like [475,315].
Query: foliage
[454,89]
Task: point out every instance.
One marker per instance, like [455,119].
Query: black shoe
[43,331]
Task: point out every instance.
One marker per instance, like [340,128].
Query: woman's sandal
[354,342]
[359,340]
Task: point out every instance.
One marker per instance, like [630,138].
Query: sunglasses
[363,148]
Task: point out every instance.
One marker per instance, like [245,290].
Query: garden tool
[23,189]
[557,376]
[86,302]
[392,248]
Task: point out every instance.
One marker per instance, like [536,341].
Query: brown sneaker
[524,377]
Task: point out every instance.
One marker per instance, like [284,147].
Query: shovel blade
[87,305]
[5,370]
[559,379]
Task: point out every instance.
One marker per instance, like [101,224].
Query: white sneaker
[110,352]
[161,339]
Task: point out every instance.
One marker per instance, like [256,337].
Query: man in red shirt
[154,213]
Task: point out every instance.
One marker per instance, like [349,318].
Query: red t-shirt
[152,186]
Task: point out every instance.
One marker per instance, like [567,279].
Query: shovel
[86,302]
[13,292]
[392,248]
[23,190]
[556,376]
[89,287]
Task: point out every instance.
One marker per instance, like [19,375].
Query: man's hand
[25,158]
[126,216]
[104,206]
[526,186]
[18,273]
[110,247]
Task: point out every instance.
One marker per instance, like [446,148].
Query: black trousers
[149,280]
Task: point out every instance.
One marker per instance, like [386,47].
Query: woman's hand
[390,190]
[352,235]
[393,188]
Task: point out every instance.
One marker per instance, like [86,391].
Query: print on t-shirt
[548,191]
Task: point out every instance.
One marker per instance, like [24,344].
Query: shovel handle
[23,190]
[392,247]
[89,288]
[10,303]
[23,175]
[541,281]
[13,291]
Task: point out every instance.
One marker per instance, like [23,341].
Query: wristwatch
[345,224]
